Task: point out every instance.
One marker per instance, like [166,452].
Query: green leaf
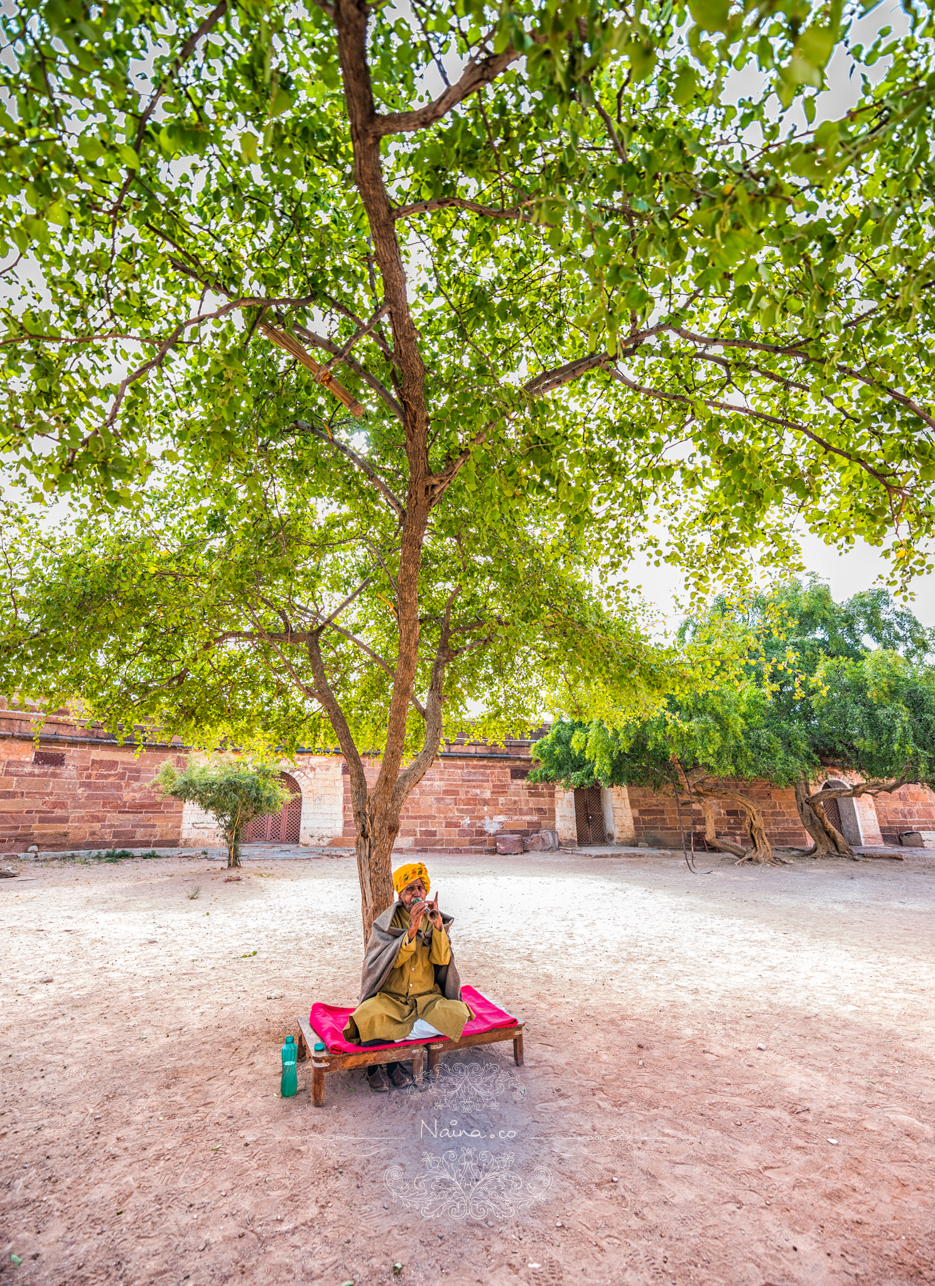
[710,15]
[816,45]
[281,102]
[685,86]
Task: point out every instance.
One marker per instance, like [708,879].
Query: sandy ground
[728,1079]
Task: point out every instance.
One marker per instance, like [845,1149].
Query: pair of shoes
[378,1080]
[399,1076]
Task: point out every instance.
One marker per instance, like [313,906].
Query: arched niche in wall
[282,827]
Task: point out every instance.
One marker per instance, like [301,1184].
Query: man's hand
[421,909]
[416,912]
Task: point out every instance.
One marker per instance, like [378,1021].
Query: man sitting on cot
[409,987]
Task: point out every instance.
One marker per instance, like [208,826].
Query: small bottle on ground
[290,1083]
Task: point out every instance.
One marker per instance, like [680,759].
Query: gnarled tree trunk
[761,851]
[829,842]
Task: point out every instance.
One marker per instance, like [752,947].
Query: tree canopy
[578,269]
[856,680]
[275,625]
[268,617]
[702,746]
[457,267]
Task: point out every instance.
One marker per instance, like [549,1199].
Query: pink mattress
[329,1022]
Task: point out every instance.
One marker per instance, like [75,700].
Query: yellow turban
[406,874]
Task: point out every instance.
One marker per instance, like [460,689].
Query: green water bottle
[290,1082]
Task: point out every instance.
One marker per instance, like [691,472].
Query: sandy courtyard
[729,1079]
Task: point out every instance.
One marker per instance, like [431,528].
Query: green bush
[233,789]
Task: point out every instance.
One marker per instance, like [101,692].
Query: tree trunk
[829,842]
[374,849]
[233,849]
[761,851]
[710,830]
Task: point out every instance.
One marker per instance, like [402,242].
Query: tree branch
[434,702]
[188,48]
[380,559]
[349,313]
[461,203]
[336,717]
[351,362]
[374,656]
[539,385]
[213,18]
[363,330]
[469,647]
[618,146]
[367,469]
[476,75]
[273,640]
[549,380]
[862,788]
[347,602]
[793,425]
[351,23]
[803,356]
[159,357]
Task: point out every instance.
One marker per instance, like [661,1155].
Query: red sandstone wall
[456,797]
[911,808]
[655,817]
[100,797]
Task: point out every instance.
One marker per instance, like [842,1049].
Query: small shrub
[234,789]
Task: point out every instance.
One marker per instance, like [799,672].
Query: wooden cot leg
[518,1050]
[418,1063]
[301,1048]
[434,1056]
[318,1086]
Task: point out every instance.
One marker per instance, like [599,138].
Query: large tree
[698,748]
[855,680]
[824,688]
[577,274]
[267,616]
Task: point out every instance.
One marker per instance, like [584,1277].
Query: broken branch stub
[292,346]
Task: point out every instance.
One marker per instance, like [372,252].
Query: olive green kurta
[410,992]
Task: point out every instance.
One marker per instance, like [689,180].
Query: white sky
[860,568]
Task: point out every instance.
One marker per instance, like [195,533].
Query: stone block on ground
[544,841]
[917,839]
[509,843]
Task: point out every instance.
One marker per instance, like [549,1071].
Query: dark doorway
[589,816]
[282,827]
[832,809]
